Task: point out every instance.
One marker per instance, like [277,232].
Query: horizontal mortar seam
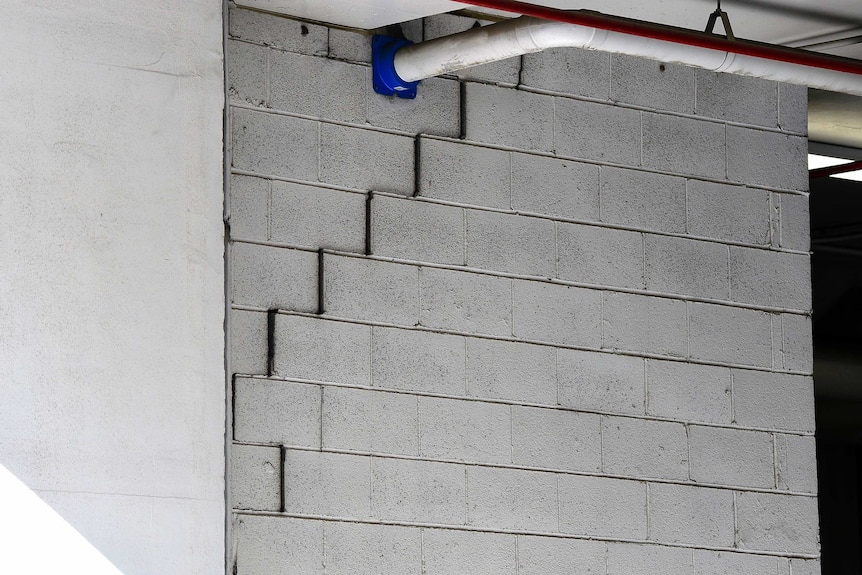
[594,162]
[627,353]
[515,467]
[475,529]
[515,403]
[593,223]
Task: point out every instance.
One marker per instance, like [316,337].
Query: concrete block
[249,208]
[770,278]
[502,72]
[737,98]
[271,277]
[771,522]
[646,324]
[357,549]
[683,145]
[330,484]
[416,230]
[644,448]
[510,243]
[652,84]
[255,477]
[686,267]
[556,439]
[513,371]
[805,566]
[555,187]
[508,117]
[553,556]
[315,217]
[597,131]
[794,222]
[731,457]
[556,313]
[366,159]
[464,173]
[729,334]
[691,515]
[447,552]
[767,158]
[465,430]
[642,199]
[272,144]
[634,559]
[465,302]
[370,421]
[423,491]
[418,361]
[267,411]
[773,400]
[312,348]
[270,545]
[689,392]
[602,256]
[727,212]
[793,108]
[796,463]
[797,342]
[317,87]
[248,342]
[568,71]
[349,45]
[603,507]
[435,110]
[511,499]
[246,72]
[370,290]
[600,381]
[724,563]
[280,33]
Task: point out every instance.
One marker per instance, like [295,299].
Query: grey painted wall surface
[111,277]
[551,319]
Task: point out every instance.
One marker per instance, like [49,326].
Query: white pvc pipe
[527,34]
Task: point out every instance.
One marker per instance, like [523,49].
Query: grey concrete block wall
[576,339]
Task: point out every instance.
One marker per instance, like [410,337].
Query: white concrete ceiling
[797,23]
[793,22]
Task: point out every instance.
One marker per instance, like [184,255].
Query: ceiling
[829,26]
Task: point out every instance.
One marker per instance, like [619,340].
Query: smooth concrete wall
[111,274]
[550,317]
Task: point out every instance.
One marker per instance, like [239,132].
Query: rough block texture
[262,277]
[694,515]
[725,212]
[414,230]
[267,411]
[731,457]
[585,318]
[643,448]
[689,392]
[255,477]
[529,117]
[597,132]
[643,199]
[314,217]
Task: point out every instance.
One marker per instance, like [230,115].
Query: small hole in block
[304,30]
[661,68]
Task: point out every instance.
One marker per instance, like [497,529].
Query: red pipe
[675,35]
[832,170]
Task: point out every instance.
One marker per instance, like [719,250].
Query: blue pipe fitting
[385,79]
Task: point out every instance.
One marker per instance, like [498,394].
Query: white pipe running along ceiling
[526,34]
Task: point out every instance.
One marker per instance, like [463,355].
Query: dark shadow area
[836,233]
